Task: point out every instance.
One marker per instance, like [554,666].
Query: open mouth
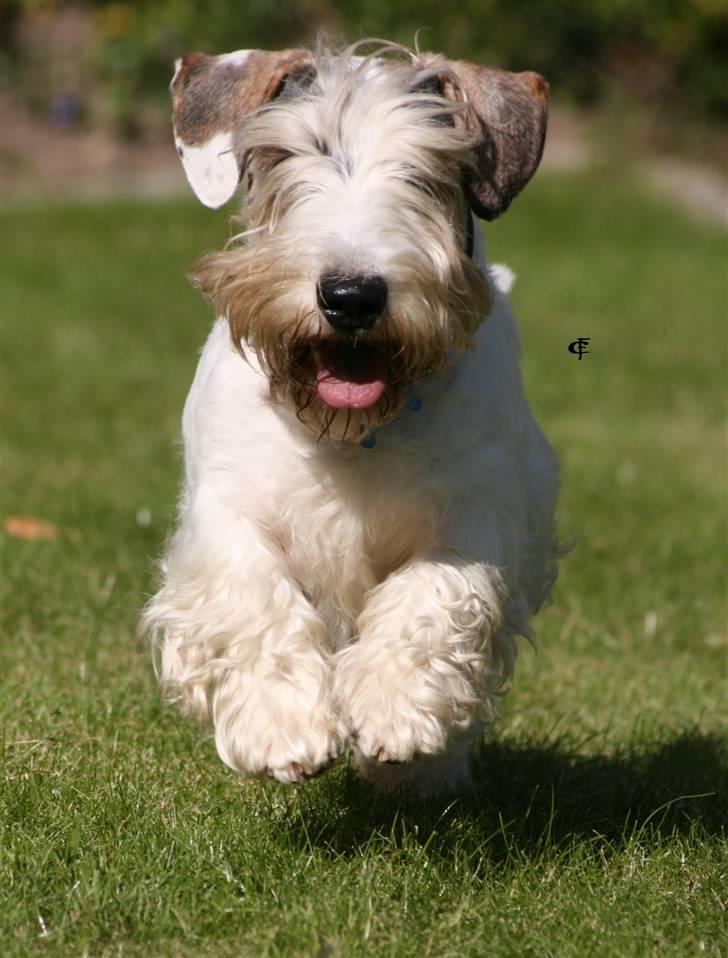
[350,376]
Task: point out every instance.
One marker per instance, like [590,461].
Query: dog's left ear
[507,113]
[211,96]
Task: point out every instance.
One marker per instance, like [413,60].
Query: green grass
[597,827]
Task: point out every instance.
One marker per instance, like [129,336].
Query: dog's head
[354,278]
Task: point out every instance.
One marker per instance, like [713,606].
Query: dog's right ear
[211,96]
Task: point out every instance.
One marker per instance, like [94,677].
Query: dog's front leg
[240,642]
[428,659]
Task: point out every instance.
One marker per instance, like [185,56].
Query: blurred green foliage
[667,54]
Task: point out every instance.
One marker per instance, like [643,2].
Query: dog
[367,518]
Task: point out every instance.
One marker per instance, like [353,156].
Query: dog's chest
[344,530]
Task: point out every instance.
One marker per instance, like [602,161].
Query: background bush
[667,54]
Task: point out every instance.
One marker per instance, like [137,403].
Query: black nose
[352,302]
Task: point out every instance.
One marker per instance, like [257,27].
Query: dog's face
[354,278]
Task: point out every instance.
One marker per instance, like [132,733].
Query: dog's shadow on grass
[529,796]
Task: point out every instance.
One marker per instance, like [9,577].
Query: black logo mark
[578,347]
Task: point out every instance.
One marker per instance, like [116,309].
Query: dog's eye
[279,156]
[267,159]
[419,183]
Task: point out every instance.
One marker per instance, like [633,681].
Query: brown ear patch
[212,94]
[211,97]
[507,113]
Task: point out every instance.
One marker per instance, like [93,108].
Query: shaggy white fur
[320,594]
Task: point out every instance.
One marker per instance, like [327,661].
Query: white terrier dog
[367,514]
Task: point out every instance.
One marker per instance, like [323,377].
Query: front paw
[400,737]
[275,728]
[399,704]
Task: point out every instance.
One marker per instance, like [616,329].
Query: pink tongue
[346,395]
[350,378]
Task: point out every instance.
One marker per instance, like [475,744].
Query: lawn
[597,828]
